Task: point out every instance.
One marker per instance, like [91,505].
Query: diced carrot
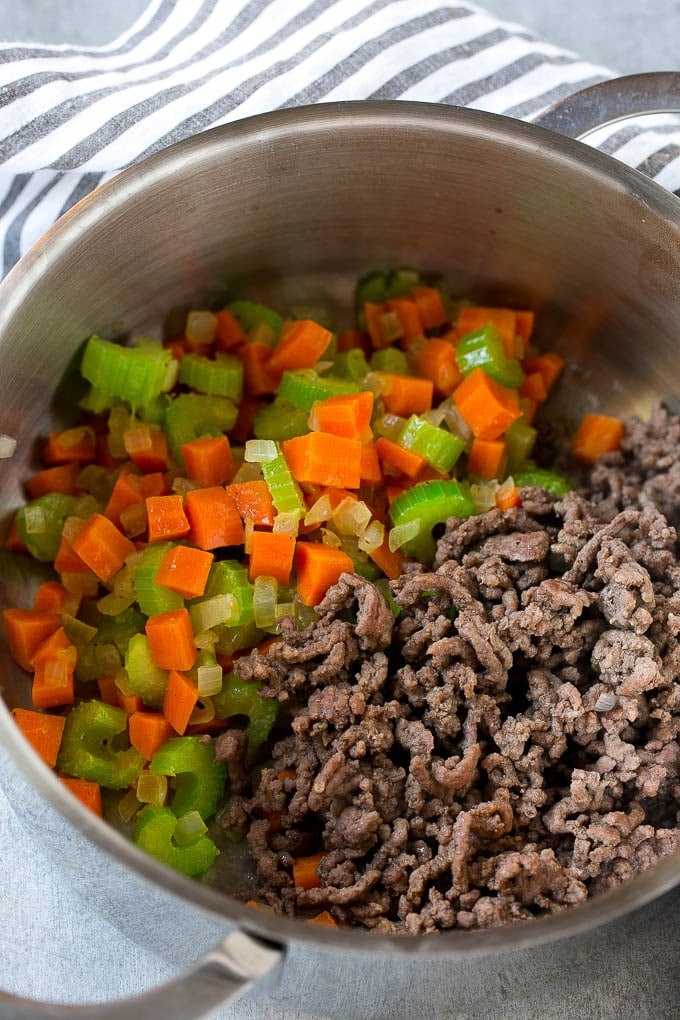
[130,703]
[305,873]
[108,692]
[373,314]
[318,567]
[488,408]
[76,444]
[409,316]
[126,492]
[102,546]
[185,570]
[87,792]
[300,345]
[253,501]
[507,497]
[404,461]
[153,484]
[436,360]
[349,339]
[53,683]
[213,518]
[43,732]
[171,639]
[325,918]
[55,644]
[60,478]
[323,459]
[534,387]
[597,434]
[180,700]
[369,468]
[260,377]
[549,364]
[405,394]
[428,301]
[230,333]
[148,732]
[347,415]
[147,447]
[26,631]
[487,458]
[14,542]
[524,324]
[52,597]
[391,563]
[474,317]
[67,561]
[166,517]
[209,460]
[271,555]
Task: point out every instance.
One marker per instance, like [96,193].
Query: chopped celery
[40,523]
[389,359]
[280,420]
[429,503]
[134,374]
[484,349]
[192,415]
[145,679]
[199,779]
[87,746]
[401,282]
[251,314]
[104,654]
[285,491]
[438,446]
[221,376]
[236,639]
[551,480]
[153,833]
[303,387]
[229,577]
[154,598]
[520,439]
[97,401]
[351,365]
[240,698]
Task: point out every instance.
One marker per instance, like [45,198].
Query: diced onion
[265,590]
[209,680]
[320,510]
[137,438]
[390,326]
[351,516]
[260,451]
[455,422]
[377,383]
[212,612]
[400,534]
[206,640]
[287,523]
[71,528]
[79,632]
[34,520]
[181,485]
[201,327]
[82,583]
[248,473]
[248,532]
[128,806]
[329,537]
[262,333]
[389,426]
[373,537]
[484,496]
[435,416]
[284,609]
[7,446]
[188,828]
[119,421]
[152,788]
[203,713]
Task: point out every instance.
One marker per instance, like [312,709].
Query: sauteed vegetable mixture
[311,589]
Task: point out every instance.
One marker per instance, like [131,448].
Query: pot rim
[270,128]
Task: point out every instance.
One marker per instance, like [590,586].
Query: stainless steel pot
[296,204]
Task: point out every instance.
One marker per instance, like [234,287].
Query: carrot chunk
[180,700]
[300,345]
[324,459]
[487,458]
[473,317]
[305,873]
[404,461]
[430,307]
[406,394]
[77,444]
[87,792]
[597,434]
[26,631]
[43,732]
[209,460]
[171,639]
[213,518]
[101,546]
[488,408]
[318,567]
[166,517]
[230,333]
[60,478]
[253,501]
[271,555]
[148,732]
[346,415]
[185,570]
[436,360]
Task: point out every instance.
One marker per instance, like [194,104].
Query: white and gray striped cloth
[71,117]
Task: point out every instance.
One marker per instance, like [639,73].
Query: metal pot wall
[299,203]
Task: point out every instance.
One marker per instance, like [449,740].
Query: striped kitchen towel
[71,117]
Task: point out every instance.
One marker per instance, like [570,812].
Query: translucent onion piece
[201,327]
[119,421]
[248,473]
[137,438]
[182,485]
[188,828]
[34,520]
[72,527]
[265,590]
[152,788]
[122,682]
[329,537]
[7,446]
[113,604]
[262,333]
[484,496]
[212,612]
[389,426]
[133,520]
[128,806]
[203,713]
[287,523]
[351,516]
[435,416]
[320,510]
[455,422]
[209,680]
[376,383]
[390,326]
[248,531]
[260,451]
[206,640]
[373,537]
[402,533]
[284,609]
[80,583]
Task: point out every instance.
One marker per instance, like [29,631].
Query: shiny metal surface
[292,207]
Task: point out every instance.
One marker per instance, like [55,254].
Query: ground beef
[505,746]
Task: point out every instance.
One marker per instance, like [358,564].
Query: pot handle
[618,99]
[221,976]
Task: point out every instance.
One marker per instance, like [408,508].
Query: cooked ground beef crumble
[507,745]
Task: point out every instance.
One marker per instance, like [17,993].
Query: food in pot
[314,592]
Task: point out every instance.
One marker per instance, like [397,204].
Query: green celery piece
[303,387]
[114,633]
[551,480]
[285,491]
[135,374]
[221,376]
[229,577]
[240,698]
[46,513]
[192,415]
[97,401]
[429,503]
[372,288]
[154,413]
[280,420]
[389,359]
[440,448]
[383,586]
[199,779]
[520,439]
[483,348]
[145,679]
[87,746]
[154,598]
[153,833]
[401,282]
[351,365]
[251,314]
[237,639]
